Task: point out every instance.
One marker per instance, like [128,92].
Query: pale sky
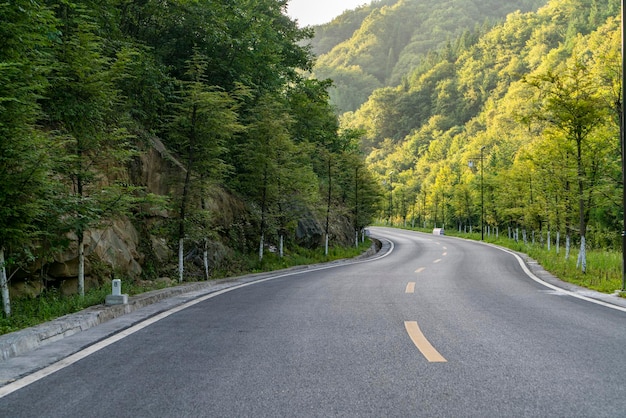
[316,12]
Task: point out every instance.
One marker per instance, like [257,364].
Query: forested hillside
[377,45]
[189,122]
[521,125]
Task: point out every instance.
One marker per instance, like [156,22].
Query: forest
[513,128]
[380,43]
[89,88]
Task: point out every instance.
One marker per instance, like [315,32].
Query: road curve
[439,327]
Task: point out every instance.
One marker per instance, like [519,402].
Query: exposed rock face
[121,247]
[116,246]
[309,233]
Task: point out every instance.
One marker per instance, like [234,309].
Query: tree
[24,149]
[81,112]
[569,103]
[203,120]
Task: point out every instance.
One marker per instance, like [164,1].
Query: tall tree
[25,27]
[81,112]
[203,120]
[569,104]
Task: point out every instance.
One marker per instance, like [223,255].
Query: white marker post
[116,297]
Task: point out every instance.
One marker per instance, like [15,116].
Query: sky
[316,12]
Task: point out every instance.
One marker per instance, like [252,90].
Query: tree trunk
[281,246]
[81,264]
[581,262]
[263,209]
[205,258]
[330,185]
[4,285]
[181,254]
[568,243]
[183,203]
[582,255]
[326,246]
[549,240]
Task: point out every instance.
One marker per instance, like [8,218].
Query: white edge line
[553,287]
[74,358]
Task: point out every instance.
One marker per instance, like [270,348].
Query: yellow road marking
[410,287]
[421,269]
[422,344]
[444,254]
[437,260]
[445,248]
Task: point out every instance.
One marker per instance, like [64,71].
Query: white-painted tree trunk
[261,244]
[81,266]
[582,256]
[4,285]
[181,255]
[567,246]
[549,240]
[281,246]
[558,241]
[206,263]
[326,246]
[356,238]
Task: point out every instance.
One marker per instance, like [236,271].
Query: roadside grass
[604,267]
[304,256]
[52,304]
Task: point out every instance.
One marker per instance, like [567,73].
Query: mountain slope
[393,38]
[531,104]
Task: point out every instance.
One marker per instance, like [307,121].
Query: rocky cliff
[143,248]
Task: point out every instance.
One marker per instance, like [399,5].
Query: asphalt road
[440,327]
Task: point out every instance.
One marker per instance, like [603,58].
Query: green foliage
[381,44]
[518,121]
[24,151]
[218,88]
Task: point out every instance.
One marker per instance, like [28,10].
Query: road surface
[439,327]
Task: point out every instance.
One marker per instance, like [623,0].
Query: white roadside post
[116,297]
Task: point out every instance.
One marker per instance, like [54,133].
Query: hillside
[379,44]
[517,131]
[145,141]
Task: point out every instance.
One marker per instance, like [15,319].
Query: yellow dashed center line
[437,260]
[422,344]
[421,269]
[410,287]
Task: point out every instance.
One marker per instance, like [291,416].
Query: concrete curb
[21,342]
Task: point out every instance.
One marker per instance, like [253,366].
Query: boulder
[309,233]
